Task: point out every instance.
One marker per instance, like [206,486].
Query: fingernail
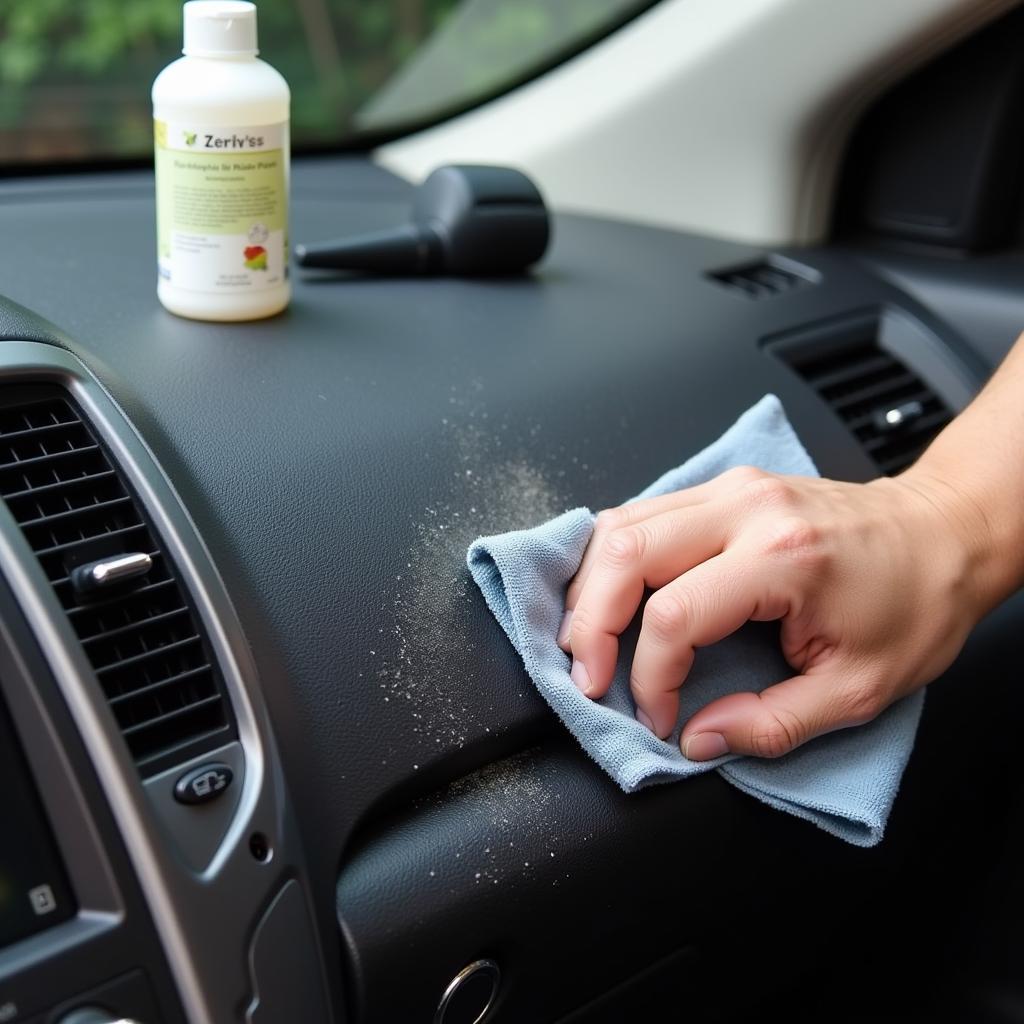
[644,719]
[563,630]
[705,746]
[580,676]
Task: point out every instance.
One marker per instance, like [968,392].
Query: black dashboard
[336,461]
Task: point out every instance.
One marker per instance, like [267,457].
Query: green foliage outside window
[75,74]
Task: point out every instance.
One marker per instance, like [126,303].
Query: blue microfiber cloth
[844,782]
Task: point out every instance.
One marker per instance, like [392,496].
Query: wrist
[981,523]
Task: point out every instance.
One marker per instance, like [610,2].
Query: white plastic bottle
[222,154]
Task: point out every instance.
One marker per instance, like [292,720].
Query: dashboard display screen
[34,891]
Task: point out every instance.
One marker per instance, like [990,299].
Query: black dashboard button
[204,783]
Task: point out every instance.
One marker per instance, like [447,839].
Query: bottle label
[222,206]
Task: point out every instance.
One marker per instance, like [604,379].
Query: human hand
[876,586]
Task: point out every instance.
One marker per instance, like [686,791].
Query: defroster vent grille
[764,279]
[142,637]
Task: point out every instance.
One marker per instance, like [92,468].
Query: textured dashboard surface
[339,458]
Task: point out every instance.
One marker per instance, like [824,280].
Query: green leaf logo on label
[190,138]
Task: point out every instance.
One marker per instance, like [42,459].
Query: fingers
[612,519]
[649,554]
[637,511]
[746,546]
[784,716]
[699,608]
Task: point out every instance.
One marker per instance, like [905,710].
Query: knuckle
[581,627]
[639,686]
[866,701]
[776,734]
[666,616]
[624,547]
[611,519]
[743,474]
[796,538]
[768,492]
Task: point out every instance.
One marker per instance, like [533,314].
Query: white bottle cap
[220,28]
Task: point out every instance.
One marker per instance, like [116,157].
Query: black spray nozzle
[466,221]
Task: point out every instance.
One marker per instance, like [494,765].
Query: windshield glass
[75,74]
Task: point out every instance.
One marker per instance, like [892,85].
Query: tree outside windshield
[75,74]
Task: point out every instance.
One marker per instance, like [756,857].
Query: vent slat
[142,639]
[138,659]
[59,486]
[132,626]
[70,545]
[152,723]
[42,431]
[38,460]
[849,404]
[177,753]
[864,420]
[861,382]
[878,368]
[928,425]
[814,364]
[21,479]
[137,592]
[162,684]
[59,517]
[761,279]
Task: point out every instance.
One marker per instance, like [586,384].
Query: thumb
[773,722]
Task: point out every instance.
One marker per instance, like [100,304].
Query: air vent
[764,278]
[887,407]
[142,635]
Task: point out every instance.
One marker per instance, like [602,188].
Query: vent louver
[888,408]
[141,637]
[763,279]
